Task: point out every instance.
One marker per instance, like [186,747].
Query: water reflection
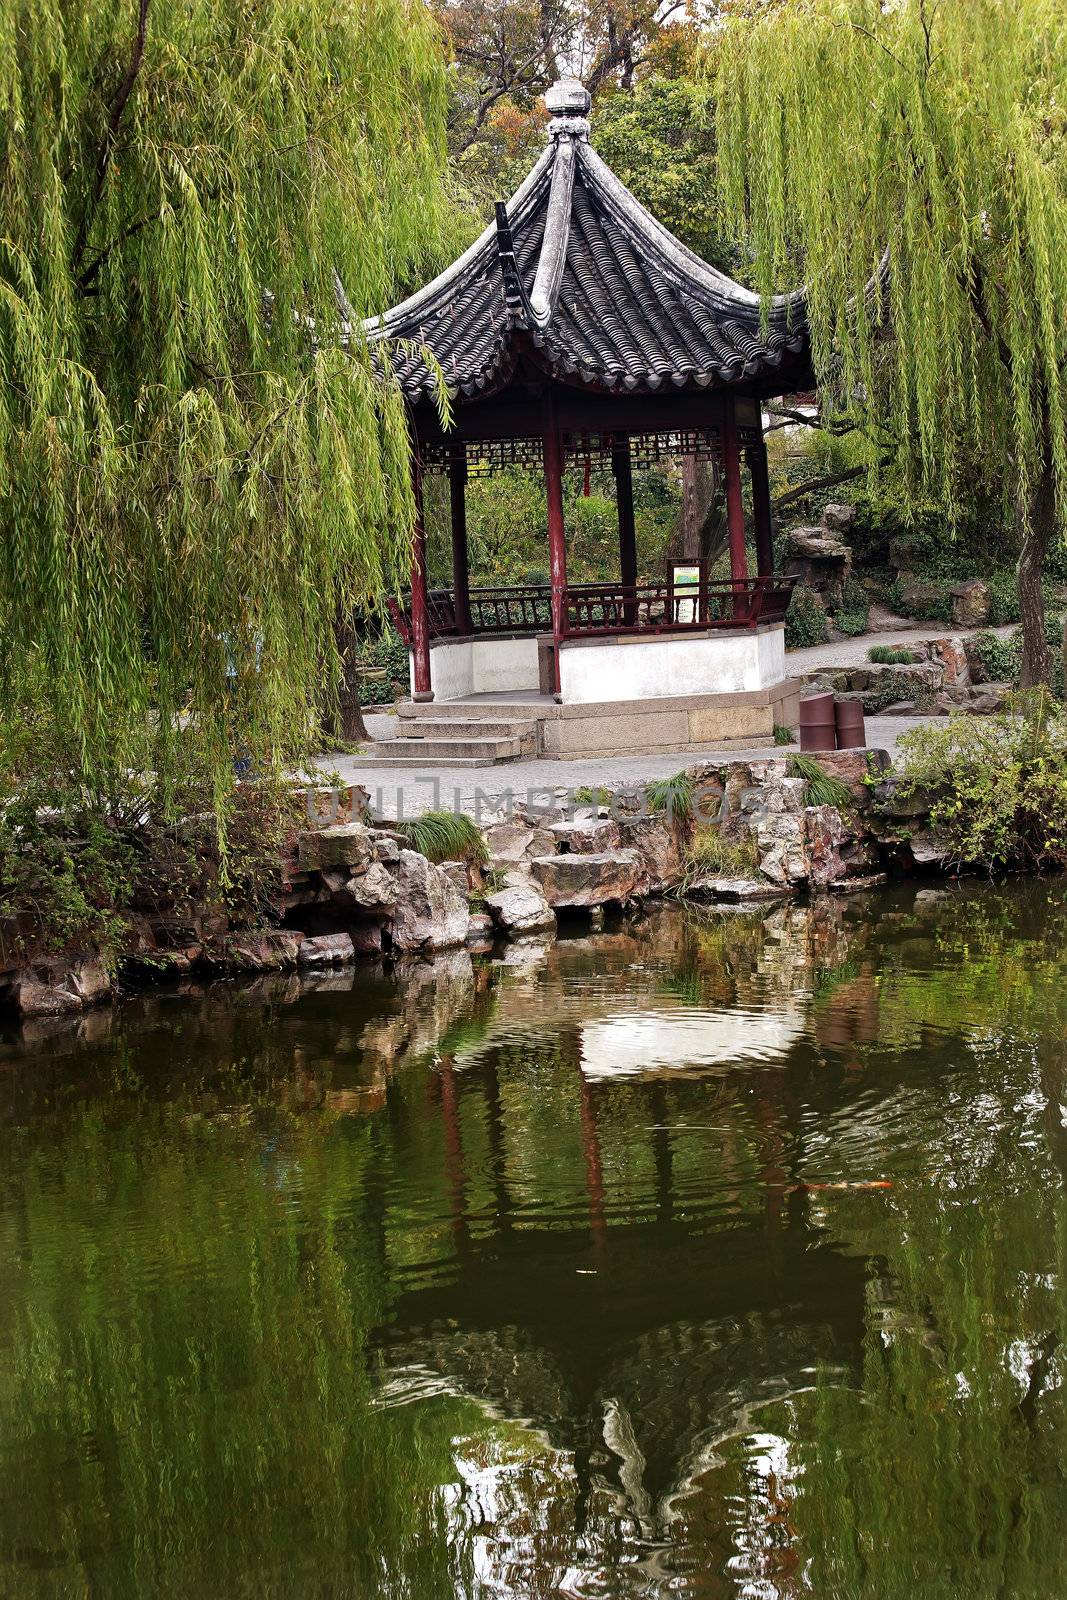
[713,1255]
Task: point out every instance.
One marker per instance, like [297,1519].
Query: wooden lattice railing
[604,608]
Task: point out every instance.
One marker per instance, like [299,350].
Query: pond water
[713,1255]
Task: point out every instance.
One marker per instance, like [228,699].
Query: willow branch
[107,144]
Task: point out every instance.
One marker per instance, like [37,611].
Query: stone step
[510,711]
[422,728]
[445,752]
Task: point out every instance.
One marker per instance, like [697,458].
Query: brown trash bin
[851,732]
[818,727]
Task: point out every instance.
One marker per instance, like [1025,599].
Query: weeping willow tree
[198,473]
[936,130]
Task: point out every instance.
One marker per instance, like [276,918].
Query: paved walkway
[405,791]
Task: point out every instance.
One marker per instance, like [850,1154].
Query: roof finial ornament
[569,102]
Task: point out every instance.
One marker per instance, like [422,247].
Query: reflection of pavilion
[637,1353]
[636,1325]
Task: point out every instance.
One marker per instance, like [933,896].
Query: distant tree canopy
[936,129]
[195,475]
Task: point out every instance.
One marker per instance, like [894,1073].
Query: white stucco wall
[460,667]
[649,668]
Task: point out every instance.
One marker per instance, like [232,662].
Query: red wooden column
[621,466]
[735,508]
[461,587]
[420,621]
[557,546]
[756,457]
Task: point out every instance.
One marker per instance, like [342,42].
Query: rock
[327,950]
[659,846]
[735,890]
[456,873]
[520,907]
[900,708]
[990,701]
[255,951]
[779,796]
[375,890]
[587,880]
[826,833]
[838,518]
[953,659]
[367,940]
[431,913]
[49,990]
[509,843]
[349,844]
[480,929]
[820,561]
[921,596]
[782,844]
[386,849]
[586,836]
[892,799]
[89,981]
[816,544]
[36,999]
[870,880]
[970,604]
[928,849]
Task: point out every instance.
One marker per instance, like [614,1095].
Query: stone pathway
[408,792]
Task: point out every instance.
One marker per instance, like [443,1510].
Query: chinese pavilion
[577,328]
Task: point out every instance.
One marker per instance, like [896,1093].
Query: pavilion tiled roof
[576,266]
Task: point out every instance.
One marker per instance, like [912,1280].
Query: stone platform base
[663,725]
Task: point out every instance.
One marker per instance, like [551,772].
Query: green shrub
[998,785]
[928,600]
[783,735]
[388,652]
[444,836]
[672,795]
[822,790]
[852,623]
[1001,658]
[888,655]
[805,620]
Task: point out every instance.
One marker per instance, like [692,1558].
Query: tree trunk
[696,492]
[348,725]
[1036,520]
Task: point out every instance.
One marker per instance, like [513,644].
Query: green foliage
[928,600]
[852,623]
[507,525]
[387,652]
[944,126]
[822,789]
[998,785]
[888,655]
[855,612]
[444,836]
[599,796]
[660,141]
[192,484]
[805,620]
[783,735]
[673,795]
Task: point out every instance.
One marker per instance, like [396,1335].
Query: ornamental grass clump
[671,795]
[822,789]
[444,836]
[997,785]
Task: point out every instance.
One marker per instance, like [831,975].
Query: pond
[710,1255]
